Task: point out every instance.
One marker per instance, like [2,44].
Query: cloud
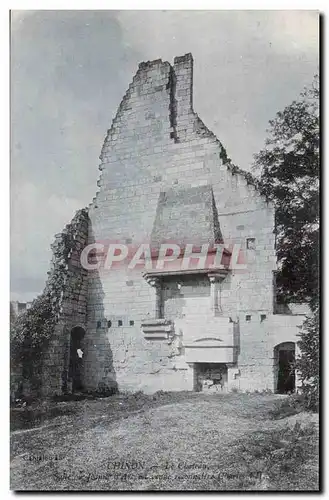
[36,216]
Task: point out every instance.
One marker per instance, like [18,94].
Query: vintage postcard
[164,314]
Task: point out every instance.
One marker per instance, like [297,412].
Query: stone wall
[67,287]
[72,296]
[40,337]
[258,340]
[158,142]
[17,308]
[188,297]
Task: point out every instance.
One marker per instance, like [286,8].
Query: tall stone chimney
[183,69]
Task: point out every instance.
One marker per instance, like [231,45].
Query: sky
[70,70]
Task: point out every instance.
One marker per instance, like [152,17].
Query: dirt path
[184,445]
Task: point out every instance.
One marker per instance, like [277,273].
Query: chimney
[183,68]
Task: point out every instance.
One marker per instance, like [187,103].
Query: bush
[283,456]
[289,406]
[307,364]
[29,336]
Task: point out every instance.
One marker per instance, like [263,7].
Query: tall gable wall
[156,143]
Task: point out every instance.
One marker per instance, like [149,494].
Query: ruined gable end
[165,177]
[201,322]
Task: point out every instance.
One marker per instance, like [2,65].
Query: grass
[43,412]
[168,441]
[284,459]
[291,405]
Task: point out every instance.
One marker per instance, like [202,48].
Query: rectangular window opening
[251,243]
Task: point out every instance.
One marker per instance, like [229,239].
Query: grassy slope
[174,442]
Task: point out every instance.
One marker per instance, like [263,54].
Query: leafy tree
[289,177]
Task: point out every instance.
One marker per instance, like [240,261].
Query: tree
[289,177]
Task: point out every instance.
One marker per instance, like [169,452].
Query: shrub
[307,364]
[29,336]
[289,406]
[283,456]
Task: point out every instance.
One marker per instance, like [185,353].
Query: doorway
[284,371]
[76,358]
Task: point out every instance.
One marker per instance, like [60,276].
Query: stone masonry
[166,177]
[67,282]
[157,144]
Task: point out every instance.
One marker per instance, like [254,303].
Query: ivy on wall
[32,330]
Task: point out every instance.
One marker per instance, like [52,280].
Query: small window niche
[120,322]
[248,317]
[262,317]
[251,244]
[131,322]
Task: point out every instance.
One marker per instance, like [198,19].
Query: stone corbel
[156,283]
[215,278]
[157,328]
[175,340]
[153,281]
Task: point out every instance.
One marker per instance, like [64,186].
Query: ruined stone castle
[166,178]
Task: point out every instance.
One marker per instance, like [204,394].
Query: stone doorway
[76,358]
[284,372]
